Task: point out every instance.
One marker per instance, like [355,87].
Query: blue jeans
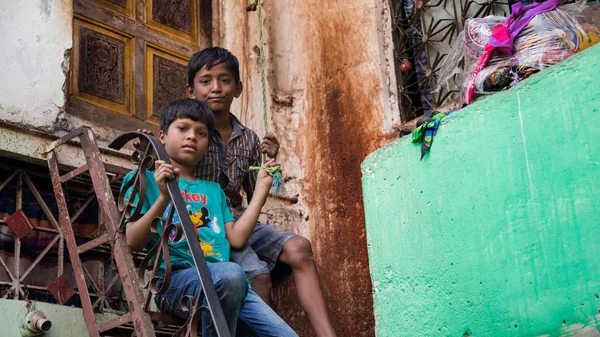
[245,312]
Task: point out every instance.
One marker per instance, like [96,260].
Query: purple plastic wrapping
[547,39]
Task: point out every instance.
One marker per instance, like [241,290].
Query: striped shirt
[231,169]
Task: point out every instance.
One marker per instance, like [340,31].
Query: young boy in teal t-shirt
[185,129]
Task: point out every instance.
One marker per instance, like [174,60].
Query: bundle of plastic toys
[495,53]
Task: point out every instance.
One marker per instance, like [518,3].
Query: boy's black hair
[187,108]
[210,57]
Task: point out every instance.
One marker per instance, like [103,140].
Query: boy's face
[186,141]
[216,87]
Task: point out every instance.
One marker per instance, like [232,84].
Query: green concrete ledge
[496,232]
[66,321]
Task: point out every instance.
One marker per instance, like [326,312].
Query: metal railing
[109,243]
[132,211]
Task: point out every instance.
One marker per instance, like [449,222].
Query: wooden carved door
[129,57]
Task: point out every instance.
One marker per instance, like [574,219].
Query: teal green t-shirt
[207,208]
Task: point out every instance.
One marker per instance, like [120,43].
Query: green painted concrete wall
[66,321]
[497,231]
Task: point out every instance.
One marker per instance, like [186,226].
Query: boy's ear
[190,92]
[161,136]
[238,89]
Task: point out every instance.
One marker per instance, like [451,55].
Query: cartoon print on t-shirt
[199,219]
[214,225]
[206,248]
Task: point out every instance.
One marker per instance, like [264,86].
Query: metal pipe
[36,322]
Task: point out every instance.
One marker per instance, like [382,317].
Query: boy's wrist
[262,188]
[163,200]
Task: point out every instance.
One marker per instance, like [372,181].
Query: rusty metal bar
[61,255]
[17,253]
[7,270]
[47,230]
[112,282]
[62,140]
[113,323]
[65,223]
[123,259]
[53,221]
[104,304]
[207,287]
[42,203]
[190,328]
[93,243]
[26,286]
[5,182]
[99,289]
[39,258]
[87,202]
[73,174]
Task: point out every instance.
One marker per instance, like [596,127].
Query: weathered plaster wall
[331,100]
[35,35]
[495,232]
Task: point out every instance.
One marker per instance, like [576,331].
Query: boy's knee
[230,276]
[297,250]
[230,283]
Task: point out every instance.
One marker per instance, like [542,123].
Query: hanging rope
[273,171]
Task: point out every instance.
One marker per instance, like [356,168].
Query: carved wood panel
[178,18]
[176,14]
[169,83]
[129,57]
[101,65]
[101,68]
[165,78]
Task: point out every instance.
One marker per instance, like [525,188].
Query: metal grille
[423,32]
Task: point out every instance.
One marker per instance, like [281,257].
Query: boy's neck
[222,122]
[185,172]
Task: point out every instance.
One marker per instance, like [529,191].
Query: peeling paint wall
[34,34]
[495,232]
[331,101]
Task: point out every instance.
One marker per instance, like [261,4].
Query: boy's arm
[138,232]
[238,232]
[249,181]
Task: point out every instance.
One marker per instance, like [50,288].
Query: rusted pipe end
[37,322]
[43,324]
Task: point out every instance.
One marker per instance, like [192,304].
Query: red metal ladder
[138,302]
[132,288]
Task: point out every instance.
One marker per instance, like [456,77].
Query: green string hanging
[275,172]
